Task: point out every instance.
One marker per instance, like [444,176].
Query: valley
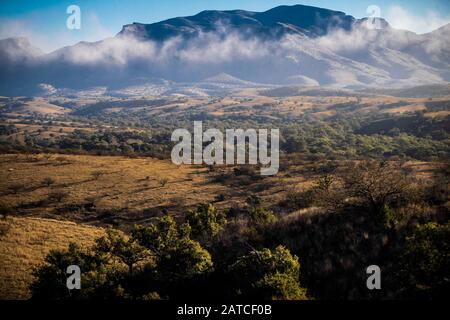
[353,110]
[104,162]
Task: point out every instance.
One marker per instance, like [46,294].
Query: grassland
[71,166]
[129,187]
[105,189]
[116,190]
[24,242]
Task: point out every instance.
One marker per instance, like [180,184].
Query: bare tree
[378,184]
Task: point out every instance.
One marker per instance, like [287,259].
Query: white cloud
[342,57]
[14,28]
[91,30]
[400,18]
[94,28]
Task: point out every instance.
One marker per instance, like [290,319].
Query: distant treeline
[344,136]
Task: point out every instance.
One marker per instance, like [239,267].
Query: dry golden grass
[408,108]
[127,185]
[111,183]
[246,105]
[320,107]
[24,243]
[129,190]
[134,190]
[438,114]
[40,106]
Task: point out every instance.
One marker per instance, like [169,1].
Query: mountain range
[217,51]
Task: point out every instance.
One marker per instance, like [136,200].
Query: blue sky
[44,21]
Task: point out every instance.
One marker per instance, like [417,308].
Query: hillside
[24,242]
[294,45]
[286,153]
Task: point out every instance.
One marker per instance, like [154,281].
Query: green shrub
[270,274]
[262,216]
[205,221]
[177,255]
[279,286]
[426,260]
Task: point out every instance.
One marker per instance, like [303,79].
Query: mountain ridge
[313,21]
[286,45]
